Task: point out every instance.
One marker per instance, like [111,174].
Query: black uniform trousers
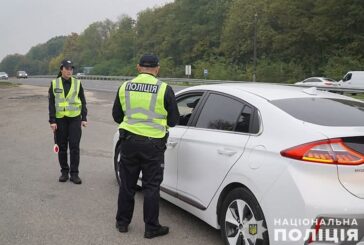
[68,133]
[143,154]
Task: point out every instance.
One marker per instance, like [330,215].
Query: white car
[80,75]
[319,81]
[353,79]
[3,75]
[21,74]
[261,161]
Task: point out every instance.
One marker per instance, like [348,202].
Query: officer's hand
[84,124]
[54,127]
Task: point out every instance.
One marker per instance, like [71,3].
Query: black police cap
[149,60]
[66,63]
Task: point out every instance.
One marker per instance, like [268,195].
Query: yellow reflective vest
[142,101]
[70,105]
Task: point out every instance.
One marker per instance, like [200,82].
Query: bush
[338,66]
[218,70]
[276,72]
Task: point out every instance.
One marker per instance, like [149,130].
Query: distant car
[3,76]
[80,75]
[319,81]
[21,74]
[353,79]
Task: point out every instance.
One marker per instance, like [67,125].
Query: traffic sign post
[205,73]
[188,71]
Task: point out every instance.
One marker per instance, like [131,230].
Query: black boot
[75,179]
[63,177]
[121,228]
[163,230]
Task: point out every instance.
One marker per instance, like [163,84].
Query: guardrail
[125,78]
[188,81]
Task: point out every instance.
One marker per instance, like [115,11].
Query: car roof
[314,77]
[270,91]
[322,78]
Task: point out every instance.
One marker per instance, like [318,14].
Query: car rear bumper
[303,193]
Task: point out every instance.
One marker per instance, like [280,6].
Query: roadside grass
[8,84]
[358,96]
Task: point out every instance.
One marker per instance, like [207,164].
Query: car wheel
[241,219]
[117,163]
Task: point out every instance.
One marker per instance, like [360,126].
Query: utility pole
[255,46]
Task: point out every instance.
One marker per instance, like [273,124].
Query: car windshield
[324,111]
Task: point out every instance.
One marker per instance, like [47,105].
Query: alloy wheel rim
[241,225]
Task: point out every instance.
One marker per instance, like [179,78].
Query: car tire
[117,163]
[247,223]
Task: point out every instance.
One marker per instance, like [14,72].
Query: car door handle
[172,143]
[226,152]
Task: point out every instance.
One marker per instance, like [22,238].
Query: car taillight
[327,83]
[317,228]
[332,151]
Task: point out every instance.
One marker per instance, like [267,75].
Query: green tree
[121,44]
[90,43]
[10,64]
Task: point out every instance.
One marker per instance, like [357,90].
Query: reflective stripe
[127,101]
[58,96]
[146,122]
[72,108]
[150,114]
[74,94]
[153,101]
[67,108]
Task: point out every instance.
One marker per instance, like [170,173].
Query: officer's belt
[136,137]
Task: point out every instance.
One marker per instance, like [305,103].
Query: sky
[26,23]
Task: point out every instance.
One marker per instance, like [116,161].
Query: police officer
[145,108]
[67,113]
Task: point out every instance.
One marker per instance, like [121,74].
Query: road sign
[188,70]
[205,73]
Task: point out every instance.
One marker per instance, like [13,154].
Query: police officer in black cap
[67,113]
[145,108]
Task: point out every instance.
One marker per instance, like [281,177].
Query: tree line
[295,39]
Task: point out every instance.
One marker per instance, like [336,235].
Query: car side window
[186,106]
[347,77]
[244,120]
[221,112]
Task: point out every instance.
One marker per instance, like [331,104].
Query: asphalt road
[35,209]
[94,85]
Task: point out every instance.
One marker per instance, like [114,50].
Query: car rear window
[324,111]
